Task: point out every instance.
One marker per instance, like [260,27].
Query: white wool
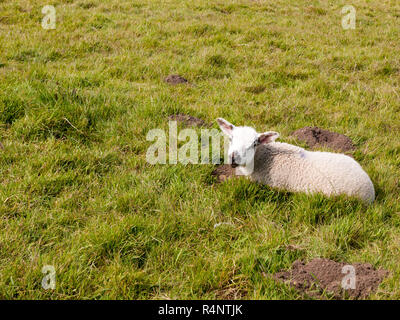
[292,168]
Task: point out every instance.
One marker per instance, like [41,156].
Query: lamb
[288,167]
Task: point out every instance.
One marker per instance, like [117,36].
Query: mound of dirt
[321,275]
[188,120]
[316,137]
[175,79]
[223,172]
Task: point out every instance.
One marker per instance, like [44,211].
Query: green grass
[77,102]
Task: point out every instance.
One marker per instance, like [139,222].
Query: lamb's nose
[234,159]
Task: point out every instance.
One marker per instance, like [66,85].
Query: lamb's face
[243,142]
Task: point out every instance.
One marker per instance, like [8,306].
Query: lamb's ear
[225,126]
[267,137]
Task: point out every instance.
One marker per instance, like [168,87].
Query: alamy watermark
[349,280]
[349,18]
[188,152]
[49,20]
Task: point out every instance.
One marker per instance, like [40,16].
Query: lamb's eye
[253,145]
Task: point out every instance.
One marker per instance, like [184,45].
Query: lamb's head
[243,142]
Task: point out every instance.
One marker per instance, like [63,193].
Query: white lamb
[288,167]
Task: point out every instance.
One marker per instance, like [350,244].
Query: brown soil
[223,172]
[316,137]
[1,146]
[324,275]
[175,79]
[188,120]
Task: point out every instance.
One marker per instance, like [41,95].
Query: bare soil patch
[324,275]
[223,172]
[316,137]
[189,120]
[175,79]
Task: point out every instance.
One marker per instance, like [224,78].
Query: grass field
[77,102]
